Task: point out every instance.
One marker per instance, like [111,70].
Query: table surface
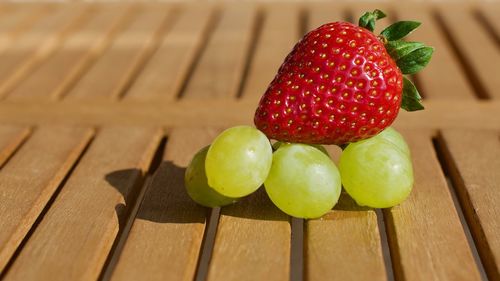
[103,105]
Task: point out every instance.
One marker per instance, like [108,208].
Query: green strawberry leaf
[398,49]
[411,97]
[416,60]
[399,30]
[367,20]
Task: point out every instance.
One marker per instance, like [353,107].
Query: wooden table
[103,105]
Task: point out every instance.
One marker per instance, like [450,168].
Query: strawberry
[341,83]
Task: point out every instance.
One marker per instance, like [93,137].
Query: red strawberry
[341,83]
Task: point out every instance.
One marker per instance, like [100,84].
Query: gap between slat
[149,51]
[483,20]
[90,57]
[133,207]
[303,23]
[415,78]
[254,41]
[297,249]
[390,232]
[207,245]
[349,16]
[18,146]
[212,25]
[386,252]
[46,207]
[475,82]
[440,149]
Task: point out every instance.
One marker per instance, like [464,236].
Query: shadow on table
[346,203]
[256,206]
[165,199]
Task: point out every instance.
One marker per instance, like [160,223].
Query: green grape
[238,161]
[303,182]
[195,180]
[394,137]
[376,173]
[277,145]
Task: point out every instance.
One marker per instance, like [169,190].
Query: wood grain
[52,79]
[76,234]
[347,235]
[220,68]
[11,137]
[453,85]
[195,113]
[166,236]
[426,237]
[473,159]
[464,28]
[114,70]
[252,242]
[30,179]
[279,32]
[164,74]
[15,23]
[39,43]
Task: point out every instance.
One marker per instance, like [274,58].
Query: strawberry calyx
[368,19]
[410,57]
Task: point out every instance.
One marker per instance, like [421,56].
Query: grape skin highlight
[238,161]
[393,136]
[376,173]
[303,182]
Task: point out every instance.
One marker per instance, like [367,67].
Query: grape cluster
[300,179]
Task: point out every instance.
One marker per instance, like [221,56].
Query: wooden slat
[434,84]
[195,113]
[346,236]
[166,237]
[38,43]
[30,179]
[165,72]
[464,29]
[54,76]
[124,57]
[474,161]
[279,32]
[252,242]
[219,71]
[6,7]
[322,13]
[10,138]
[21,19]
[76,234]
[425,233]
